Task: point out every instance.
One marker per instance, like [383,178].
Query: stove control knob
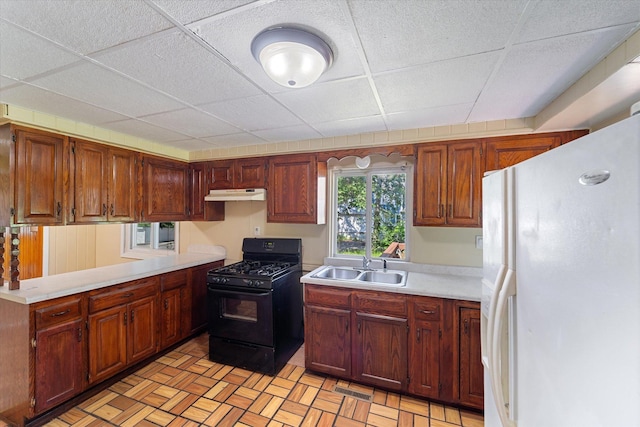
[258,283]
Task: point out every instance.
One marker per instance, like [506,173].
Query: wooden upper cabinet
[250,173]
[89,171]
[103,183]
[39,177]
[123,185]
[199,184]
[165,190]
[448,184]
[507,151]
[238,173]
[296,189]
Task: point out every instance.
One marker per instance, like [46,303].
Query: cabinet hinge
[12,211]
[73,149]
[13,137]
[439,387]
[481,152]
[439,333]
[408,380]
[33,343]
[33,402]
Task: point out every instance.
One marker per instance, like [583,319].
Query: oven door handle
[239,292]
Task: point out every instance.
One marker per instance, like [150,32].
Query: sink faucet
[365,263]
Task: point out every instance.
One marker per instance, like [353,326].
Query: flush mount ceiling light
[291,57]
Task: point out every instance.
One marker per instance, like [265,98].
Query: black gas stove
[255,306]
[257,274]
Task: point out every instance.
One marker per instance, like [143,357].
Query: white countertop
[461,283]
[60,285]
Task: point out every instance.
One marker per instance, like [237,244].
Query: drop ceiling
[180,73]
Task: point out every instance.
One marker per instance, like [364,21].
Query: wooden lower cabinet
[381,328]
[469,387]
[425,346]
[59,347]
[195,313]
[123,326]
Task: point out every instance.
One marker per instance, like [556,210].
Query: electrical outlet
[257,231]
[478,242]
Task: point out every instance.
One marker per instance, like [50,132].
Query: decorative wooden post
[14,280]
[2,256]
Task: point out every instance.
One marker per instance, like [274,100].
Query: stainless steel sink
[355,276]
[389,278]
[338,273]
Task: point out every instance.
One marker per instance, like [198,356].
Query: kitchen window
[149,239]
[370,205]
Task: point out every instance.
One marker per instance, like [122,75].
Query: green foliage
[388,200]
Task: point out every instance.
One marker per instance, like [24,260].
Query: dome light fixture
[291,57]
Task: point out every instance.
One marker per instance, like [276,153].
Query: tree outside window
[371,213]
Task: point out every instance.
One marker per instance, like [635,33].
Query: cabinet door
[90,171]
[328,340]
[107,343]
[425,359]
[165,190]
[508,151]
[249,173]
[430,185]
[39,178]
[380,351]
[198,189]
[198,301]
[142,329]
[471,385]
[293,190]
[464,175]
[170,319]
[222,174]
[123,190]
[58,364]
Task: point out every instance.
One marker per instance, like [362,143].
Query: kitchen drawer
[57,312]
[328,296]
[384,303]
[174,279]
[426,308]
[122,294]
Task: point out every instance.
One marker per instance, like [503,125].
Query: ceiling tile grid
[181,73]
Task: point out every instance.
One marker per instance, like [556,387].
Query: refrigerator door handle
[507,290]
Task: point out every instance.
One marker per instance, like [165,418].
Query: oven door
[241,314]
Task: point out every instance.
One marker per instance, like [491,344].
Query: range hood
[236,195]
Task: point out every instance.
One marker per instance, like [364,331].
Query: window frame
[383,168]
[127,251]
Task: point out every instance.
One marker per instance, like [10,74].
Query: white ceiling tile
[174,63]
[449,82]
[253,113]
[331,101]
[232,36]
[85,26]
[7,82]
[195,10]
[534,74]
[555,18]
[37,99]
[191,122]
[291,133]
[399,34]
[351,126]
[144,130]
[437,116]
[97,86]
[23,54]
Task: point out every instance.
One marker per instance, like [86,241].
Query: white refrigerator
[561,285]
